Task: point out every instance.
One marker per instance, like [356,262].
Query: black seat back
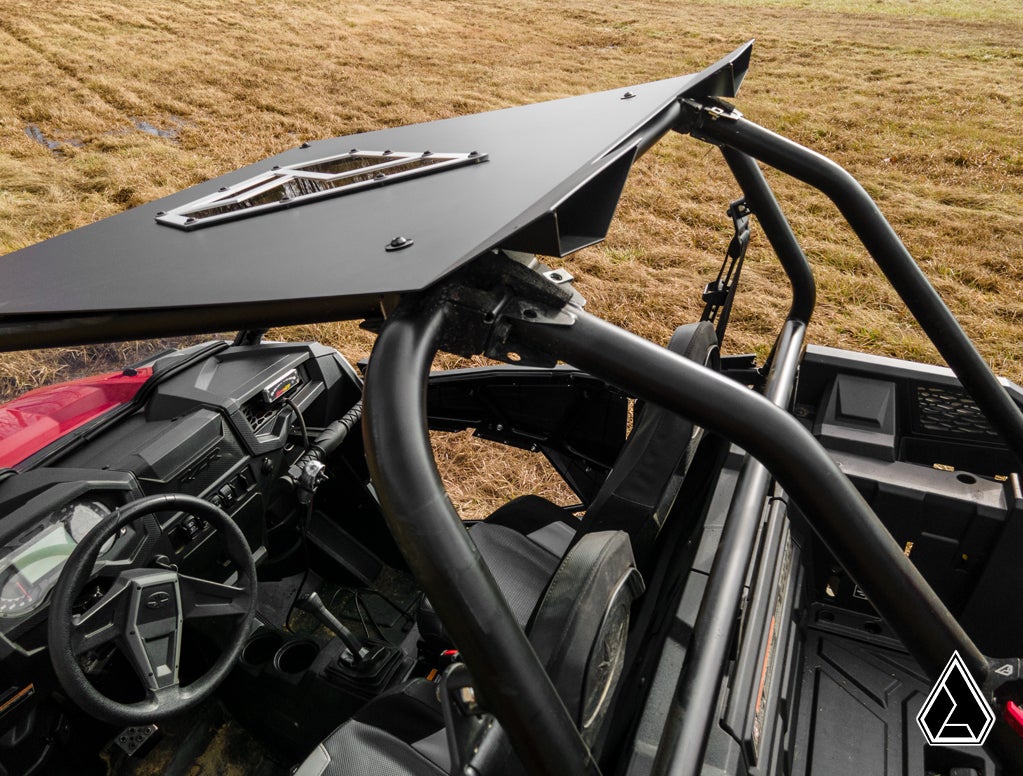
[648,472]
[580,626]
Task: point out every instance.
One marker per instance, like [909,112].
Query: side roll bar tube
[506,671]
[695,703]
[835,509]
[764,206]
[887,250]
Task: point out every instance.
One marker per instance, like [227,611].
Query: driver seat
[523,541]
[578,629]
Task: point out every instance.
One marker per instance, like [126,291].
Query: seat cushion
[521,568]
[400,733]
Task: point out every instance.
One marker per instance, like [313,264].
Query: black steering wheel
[143,612]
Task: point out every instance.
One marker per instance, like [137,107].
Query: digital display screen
[46,553]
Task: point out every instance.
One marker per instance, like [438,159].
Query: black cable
[372,619]
[407,611]
[308,563]
[301,423]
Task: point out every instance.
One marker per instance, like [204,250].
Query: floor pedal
[134,738]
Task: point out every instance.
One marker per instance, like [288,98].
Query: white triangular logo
[955,712]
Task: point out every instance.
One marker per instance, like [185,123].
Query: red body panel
[31,422]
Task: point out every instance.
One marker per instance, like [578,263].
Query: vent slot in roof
[311,181]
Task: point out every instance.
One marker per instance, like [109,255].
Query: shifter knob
[355,651]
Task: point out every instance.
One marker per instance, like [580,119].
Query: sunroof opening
[345,164]
[300,183]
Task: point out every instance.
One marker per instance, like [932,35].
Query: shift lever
[355,651]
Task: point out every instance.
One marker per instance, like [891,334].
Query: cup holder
[260,649]
[296,656]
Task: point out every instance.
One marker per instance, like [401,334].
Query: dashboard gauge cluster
[29,571]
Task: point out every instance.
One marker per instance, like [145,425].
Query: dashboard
[215,421]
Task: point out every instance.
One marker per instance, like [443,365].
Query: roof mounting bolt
[379,176]
[161,212]
[398,243]
[222,188]
[427,153]
[474,153]
[276,167]
[304,145]
[189,220]
[628,96]
[388,151]
[353,150]
[285,198]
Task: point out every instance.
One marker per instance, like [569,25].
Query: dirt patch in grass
[923,102]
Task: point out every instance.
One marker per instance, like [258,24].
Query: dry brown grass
[922,101]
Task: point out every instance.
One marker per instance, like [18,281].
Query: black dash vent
[258,414]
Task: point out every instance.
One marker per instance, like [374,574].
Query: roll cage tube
[694,704]
[507,673]
[721,124]
[802,467]
[695,700]
[453,575]
[762,203]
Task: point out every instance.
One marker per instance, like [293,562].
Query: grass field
[106,105]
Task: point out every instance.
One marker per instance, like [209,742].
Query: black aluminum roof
[551,179]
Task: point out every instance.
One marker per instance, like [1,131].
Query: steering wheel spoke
[203,598]
[111,569]
[102,622]
[141,554]
[164,697]
[152,640]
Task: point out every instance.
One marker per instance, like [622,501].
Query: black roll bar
[762,203]
[510,678]
[694,705]
[726,126]
[460,585]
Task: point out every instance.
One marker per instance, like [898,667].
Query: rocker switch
[191,526]
[227,494]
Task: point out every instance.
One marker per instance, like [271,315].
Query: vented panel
[258,414]
[949,411]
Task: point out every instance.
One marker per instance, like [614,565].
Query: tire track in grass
[46,103]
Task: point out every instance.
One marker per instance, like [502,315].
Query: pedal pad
[132,739]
